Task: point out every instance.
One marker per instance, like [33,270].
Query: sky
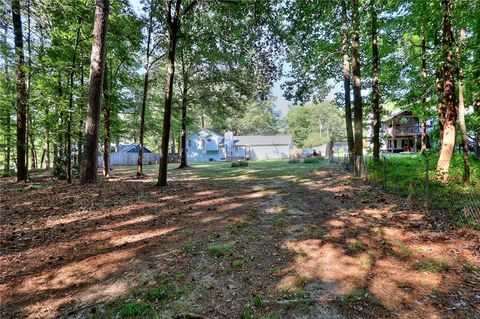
[282,105]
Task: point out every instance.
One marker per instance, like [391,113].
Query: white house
[205,145]
[209,145]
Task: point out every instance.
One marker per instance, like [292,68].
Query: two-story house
[209,145]
[403,132]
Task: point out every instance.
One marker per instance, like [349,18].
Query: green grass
[433,266]
[220,250]
[239,164]
[238,263]
[355,246]
[137,310]
[406,175]
[311,160]
[269,170]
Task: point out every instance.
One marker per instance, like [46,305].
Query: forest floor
[272,240]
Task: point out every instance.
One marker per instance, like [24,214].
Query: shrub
[293,161]
[311,160]
[242,163]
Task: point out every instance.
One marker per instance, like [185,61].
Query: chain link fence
[415,178]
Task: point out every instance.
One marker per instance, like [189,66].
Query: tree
[461,110]
[315,124]
[173,25]
[346,78]
[357,89]
[451,105]
[375,85]
[149,51]
[97,65]
[21,99]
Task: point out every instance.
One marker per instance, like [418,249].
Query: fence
[129,159]
[416,179]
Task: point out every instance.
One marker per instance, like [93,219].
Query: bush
[239,163]
[9,173]
[293,161]
[311,160]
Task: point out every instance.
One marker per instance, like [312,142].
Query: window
[189,143]
[202,143]
[209,139]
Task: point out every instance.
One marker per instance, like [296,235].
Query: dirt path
[326,246]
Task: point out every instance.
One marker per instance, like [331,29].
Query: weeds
[355,246]
[189,248]
[137,309]
[404,250]
[238,264]
[220,250]
[432,266]
[311,160]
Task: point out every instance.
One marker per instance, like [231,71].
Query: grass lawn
[222,171]
[406,175]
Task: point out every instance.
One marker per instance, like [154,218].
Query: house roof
[131,148]
[210,131]
[395,114]
[263,139]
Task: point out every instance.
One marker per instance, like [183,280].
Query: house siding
[199,149]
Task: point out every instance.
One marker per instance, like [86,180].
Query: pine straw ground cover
[271,240]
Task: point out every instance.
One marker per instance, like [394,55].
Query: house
[205,145]
[131,148]
[127,155]
[403,132]
[210,145]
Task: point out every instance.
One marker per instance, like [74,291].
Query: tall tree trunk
[80,131]
[346,79]
[183,132]
[106,125]
[173,22]
[21,99]
[451,106]
[70,106]
[145,93]
[7,120]
[357,94]
[375,85]
[88,173]
[476,83]
[58,147]
[29,77]
[424,89]
[461,111]
[441,108]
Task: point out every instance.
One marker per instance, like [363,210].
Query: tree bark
[106,124]
[476,77]
[375,83]
[80,131]
[145,93]
[183,133]
[346,79]
[21,99]
[424,89]
[173,23]
[451,106]
[7,120]
[461,111]
[357,94]
[70,106]
[88,173]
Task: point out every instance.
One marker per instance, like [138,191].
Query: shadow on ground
[271,240]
